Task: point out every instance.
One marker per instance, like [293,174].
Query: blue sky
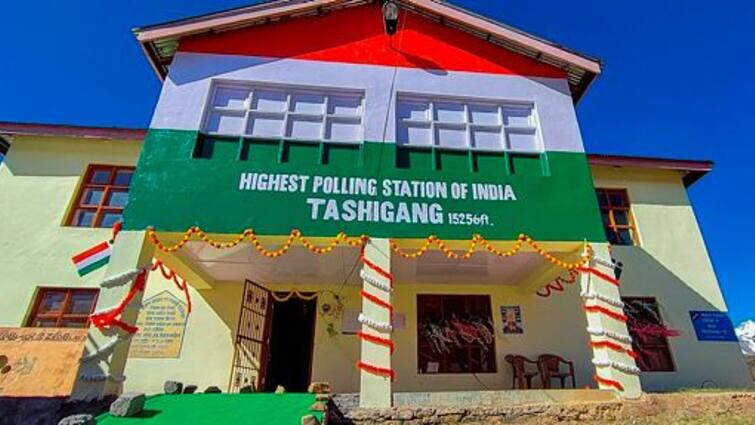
[678,82]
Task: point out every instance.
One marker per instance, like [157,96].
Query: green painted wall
[184,179]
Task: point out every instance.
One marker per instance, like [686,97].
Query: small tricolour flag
[92,259]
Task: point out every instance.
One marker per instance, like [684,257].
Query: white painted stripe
[94,258]
[187,87]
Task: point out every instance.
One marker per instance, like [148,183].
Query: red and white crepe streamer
[626,368]
[378,326]
[626,339]
[375,282]
[608,300]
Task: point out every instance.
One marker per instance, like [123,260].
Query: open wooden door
[252,338]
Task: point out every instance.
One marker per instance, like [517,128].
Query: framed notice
[39,362]
[161,323]
[511,317]
[713,326]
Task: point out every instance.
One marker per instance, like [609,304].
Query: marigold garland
[477,240]
[249,233]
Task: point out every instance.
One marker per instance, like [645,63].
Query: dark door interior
[291,342]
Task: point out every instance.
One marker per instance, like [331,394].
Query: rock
[318,406]
[319,388]
[309,420]
[83,419]
[280,389]
[246,389]
[173,387]
[213,390]
[128,404]
[190,389]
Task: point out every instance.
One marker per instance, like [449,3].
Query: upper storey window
[285,113]
[463,124]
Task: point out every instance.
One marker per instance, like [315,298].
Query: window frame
[612,225]
[288,90]
[102,208]
[469,125]
[638,346]
[492,357]
[61,315]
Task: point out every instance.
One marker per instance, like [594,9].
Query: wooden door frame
[314,329]
[264,342]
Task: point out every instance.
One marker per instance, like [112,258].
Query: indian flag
[92,259]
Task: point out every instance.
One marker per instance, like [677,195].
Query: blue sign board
[713,326]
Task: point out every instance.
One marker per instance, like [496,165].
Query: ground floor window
[649,335]
[63,307]
[455,334]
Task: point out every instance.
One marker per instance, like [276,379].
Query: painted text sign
[713,326]
[161,324]
[39,362]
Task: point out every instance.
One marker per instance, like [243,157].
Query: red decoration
[111,317]
[600,274]
[377,340]
[171,275]
[600,309]
[558,284]
[615,347]
[377,301]
[610,382]
[377,269]
[380,371]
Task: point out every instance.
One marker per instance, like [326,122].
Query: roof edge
[69,130]
[692,170]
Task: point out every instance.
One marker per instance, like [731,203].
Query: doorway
[291,343]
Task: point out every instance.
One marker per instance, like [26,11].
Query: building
[390,213]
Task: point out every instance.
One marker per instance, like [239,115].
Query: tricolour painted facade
[400,214]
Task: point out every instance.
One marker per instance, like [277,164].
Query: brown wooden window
[102,196]
[455,334]
[617,216]
[63,308]
[649,335]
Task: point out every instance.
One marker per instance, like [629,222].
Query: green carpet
[190,409]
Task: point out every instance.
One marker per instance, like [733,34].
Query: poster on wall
[511,317]
[39,362]
[713,326]
[161,323]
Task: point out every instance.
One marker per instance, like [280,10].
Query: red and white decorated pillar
[613,357]
[376,318]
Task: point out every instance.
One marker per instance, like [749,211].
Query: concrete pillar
[102,373]
[613,366]
[375,388]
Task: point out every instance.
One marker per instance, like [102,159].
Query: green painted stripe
[172,191]
[94,266]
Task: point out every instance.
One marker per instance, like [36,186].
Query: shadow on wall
[696,363]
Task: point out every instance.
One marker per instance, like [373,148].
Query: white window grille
[463,124]
[285,113]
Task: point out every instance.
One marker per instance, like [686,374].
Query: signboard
[324,189]
[161,323]
[39,362]
[713,326]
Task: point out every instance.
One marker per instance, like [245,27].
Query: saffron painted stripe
[93,258]
[93,266]
[91,251]
[356,35]
[184,94]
